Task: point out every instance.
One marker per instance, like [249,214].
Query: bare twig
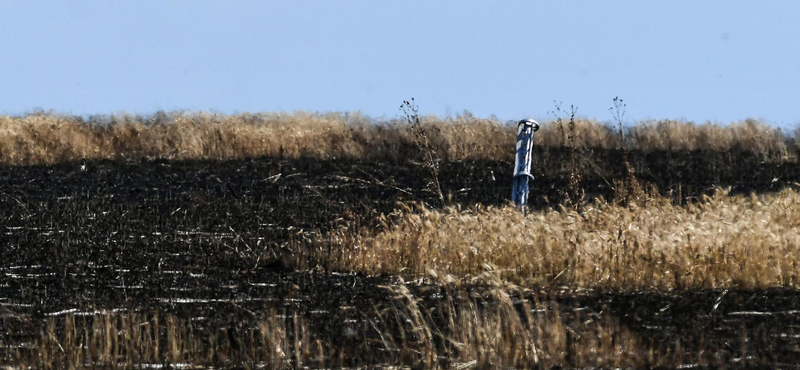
[411,112]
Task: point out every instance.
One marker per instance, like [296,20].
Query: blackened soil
[203,238]
[760,327]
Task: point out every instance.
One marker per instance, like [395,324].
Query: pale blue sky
[698,60]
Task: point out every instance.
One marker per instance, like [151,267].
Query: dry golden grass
[495,332]
[129,340]
[722,241]
[749,135]
[42,139]
[460,331]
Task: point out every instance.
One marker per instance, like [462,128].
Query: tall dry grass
[507,327]
[502,327]
[722,241]
[749,135]
[134,340]
[43,138]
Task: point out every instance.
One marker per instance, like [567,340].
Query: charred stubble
[195,244]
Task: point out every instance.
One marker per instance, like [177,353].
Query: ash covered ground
[208,240]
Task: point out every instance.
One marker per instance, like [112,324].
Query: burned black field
[209,248]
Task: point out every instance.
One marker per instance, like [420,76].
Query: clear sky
[684,59]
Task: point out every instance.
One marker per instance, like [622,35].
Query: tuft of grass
[722,241]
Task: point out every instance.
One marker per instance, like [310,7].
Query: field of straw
[45,139]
